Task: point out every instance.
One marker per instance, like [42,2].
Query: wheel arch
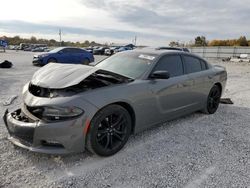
[130,110]
[86,58]
[49,58]
[128,107]
[219,85]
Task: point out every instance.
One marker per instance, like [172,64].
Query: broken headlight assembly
[55,113]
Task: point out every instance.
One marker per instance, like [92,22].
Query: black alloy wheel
[213,100]
[109,130]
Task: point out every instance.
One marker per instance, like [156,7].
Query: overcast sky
[154,22]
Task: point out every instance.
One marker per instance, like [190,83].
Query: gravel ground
[193,151]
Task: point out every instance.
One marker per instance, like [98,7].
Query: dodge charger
[69,108]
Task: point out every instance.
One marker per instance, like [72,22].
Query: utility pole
[135,40]
[60,37]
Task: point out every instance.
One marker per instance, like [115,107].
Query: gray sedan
[70,108]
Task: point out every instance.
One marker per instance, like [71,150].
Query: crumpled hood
[58,76]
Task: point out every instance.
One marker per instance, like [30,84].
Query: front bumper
[37,62]
[52,138]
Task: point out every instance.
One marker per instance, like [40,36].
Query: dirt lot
[194,151]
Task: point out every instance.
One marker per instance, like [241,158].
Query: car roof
[158,53]
[68,47]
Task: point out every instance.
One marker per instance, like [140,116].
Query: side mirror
[60,52]
[160,75]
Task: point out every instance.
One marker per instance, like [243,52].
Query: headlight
[55,113]
[42,55]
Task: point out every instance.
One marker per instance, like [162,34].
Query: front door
[172,96]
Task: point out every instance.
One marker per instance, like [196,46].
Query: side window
[71,50]
[66,50]
[203,65]
[172,64]
[76,50]
[192,64]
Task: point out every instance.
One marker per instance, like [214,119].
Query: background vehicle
[111,50]
[99,51]
[28,49]
[122,49]
[64,55]
[89,49]
[38,49]
[68,108]
[23,46]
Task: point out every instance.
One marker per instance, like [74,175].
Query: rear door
[74,55]
[198,72]
[172,96]
[78,55]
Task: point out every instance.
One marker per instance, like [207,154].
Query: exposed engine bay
[98,79]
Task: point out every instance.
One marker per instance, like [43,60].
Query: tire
[51,60]
[213,100]
[109,131]
[85,62]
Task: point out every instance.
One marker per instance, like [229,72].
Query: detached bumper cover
[51,138]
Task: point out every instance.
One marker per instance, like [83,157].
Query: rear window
[192,64]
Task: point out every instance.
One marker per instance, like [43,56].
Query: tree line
[202,41]
[199,41]
[16,40]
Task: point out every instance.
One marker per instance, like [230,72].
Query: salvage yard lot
[194,151]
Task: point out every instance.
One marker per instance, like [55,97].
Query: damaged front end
[44,137]
[96,80]
[54,114]
[25,131]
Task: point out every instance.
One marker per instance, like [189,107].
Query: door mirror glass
[160,74]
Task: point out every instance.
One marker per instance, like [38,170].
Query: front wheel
[213,100]
[109,130]
[51,60]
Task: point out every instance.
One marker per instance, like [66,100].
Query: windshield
[56,50]
[129,64]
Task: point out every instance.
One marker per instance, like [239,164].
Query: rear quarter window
[203,65]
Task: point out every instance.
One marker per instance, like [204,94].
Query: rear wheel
[213,100]
[85,62]
[109,130]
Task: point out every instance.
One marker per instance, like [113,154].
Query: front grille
[51,144]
